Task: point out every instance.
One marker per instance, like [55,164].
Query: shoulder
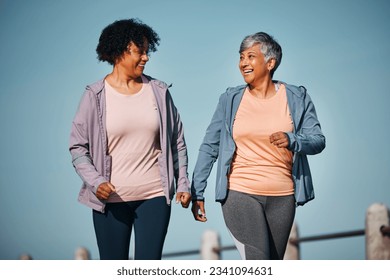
[95,87]
[158,83]
[232,91]
[91,93]
[295,91]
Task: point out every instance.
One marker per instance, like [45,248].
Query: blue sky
[337,49]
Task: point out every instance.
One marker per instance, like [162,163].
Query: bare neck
[263,90]
[124,83]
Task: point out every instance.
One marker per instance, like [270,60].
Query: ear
[271,64]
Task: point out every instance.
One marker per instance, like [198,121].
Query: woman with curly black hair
[127,145]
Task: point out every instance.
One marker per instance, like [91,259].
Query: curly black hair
[116,37]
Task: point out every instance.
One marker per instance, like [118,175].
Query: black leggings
[113,229]
[259,225]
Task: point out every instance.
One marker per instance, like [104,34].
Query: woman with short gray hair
[261,134]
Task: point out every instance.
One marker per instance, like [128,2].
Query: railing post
[292,250]
[210,246]
[377,244]
[25,257]
[81,253]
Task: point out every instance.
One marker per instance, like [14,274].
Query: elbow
[320,145]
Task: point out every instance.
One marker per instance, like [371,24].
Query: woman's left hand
[279,139]
[184,198]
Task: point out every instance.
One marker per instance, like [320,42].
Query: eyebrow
[250,52]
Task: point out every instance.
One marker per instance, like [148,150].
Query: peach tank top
[259,167]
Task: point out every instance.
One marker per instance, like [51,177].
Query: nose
[243,62]
[145,56]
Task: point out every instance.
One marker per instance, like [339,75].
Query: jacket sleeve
[208,152]
[79,144]
[179,150]
[308,138]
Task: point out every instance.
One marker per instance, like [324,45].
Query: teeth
[248,71]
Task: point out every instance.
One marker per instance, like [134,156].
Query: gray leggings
[259,225]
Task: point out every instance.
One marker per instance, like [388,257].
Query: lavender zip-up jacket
[88,144]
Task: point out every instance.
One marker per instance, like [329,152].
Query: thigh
[245,220]
[150,228]
[113,231]
[280,213]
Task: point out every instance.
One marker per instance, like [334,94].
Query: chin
[248,81]
[139,73]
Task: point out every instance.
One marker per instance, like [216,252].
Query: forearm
[306,144]
[87,171]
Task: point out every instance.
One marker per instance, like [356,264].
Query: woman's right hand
[104,190]
[198,211]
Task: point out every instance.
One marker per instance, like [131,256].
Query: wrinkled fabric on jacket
[306,139]
[88,144]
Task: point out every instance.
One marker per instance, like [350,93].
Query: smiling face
[134,60]
[253,66]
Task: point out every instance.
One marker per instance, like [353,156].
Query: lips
[247,71]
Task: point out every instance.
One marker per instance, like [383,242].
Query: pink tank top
[133,143]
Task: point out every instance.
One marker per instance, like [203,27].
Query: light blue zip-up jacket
[306,139]
[88,144]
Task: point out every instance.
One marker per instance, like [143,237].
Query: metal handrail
[385,230]
[296,241]
[180,254]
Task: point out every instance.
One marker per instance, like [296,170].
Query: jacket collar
[96,87]
[296,103]
[234,96]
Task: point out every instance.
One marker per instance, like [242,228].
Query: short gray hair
[268,47]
